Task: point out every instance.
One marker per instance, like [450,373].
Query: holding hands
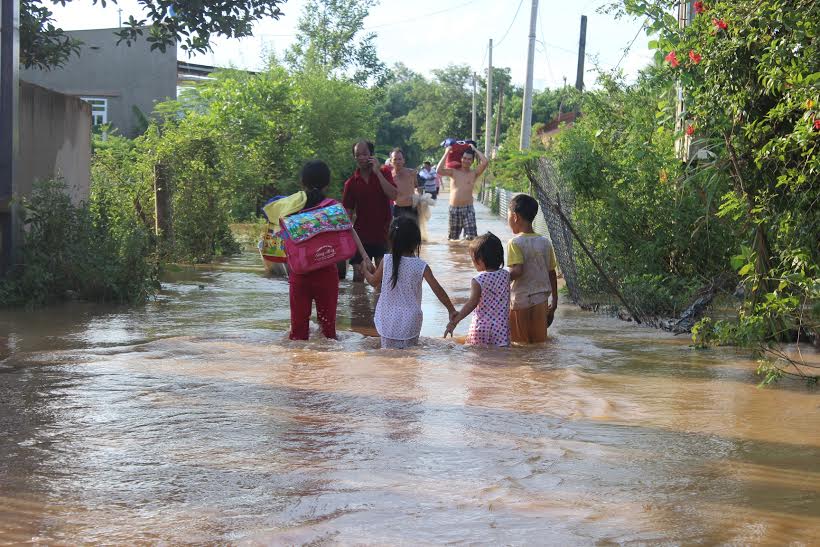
[451,326]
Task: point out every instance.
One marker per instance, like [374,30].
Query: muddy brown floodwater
[194,419]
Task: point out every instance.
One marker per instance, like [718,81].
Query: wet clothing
[405,210]
[529,294]
[398,312]
[529,325]
[366,198]
[321,286]
[490,325]
[537,255]
[462,218]
[390,343]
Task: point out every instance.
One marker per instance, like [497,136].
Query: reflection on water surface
[194,419]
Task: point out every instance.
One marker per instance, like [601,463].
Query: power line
[632,43]
[511,24]
[403,21]
[544,44]
[422,16]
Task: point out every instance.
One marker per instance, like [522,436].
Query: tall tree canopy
[328,39]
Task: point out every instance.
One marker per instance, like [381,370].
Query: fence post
[163,226]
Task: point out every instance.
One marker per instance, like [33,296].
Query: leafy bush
[83,249]
[507,168]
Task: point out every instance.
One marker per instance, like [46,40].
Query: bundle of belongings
[272,244]
[457,150]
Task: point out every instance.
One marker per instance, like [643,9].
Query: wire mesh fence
[546,223]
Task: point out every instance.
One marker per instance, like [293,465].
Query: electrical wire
[544,44]
[422,16]
[511,24]
[632,43]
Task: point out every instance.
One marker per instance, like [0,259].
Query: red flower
[817,124]
[699,7]
[720,23]
[695,57]
[690,130]
[672,59]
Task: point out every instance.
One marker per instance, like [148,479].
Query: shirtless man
[405,180]
[462,213]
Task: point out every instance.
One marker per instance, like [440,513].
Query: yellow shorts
[529,325]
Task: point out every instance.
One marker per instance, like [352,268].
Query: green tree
[329,40]
[750,72]
[654,230]
[443,107]
[397,99]
[337,113]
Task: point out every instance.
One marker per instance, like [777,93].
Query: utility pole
[498,116]
[526,110]
[9,114]
[683,144]
[582,45]
[473,134]
[563,93]
[488,123]
[119,12]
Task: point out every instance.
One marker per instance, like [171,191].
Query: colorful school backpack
[457,150]
[318,237]
[272,245]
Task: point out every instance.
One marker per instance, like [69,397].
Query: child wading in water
[320,285]
[398,312]
[489,296]
[532,262]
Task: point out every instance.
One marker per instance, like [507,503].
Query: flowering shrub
[752,84]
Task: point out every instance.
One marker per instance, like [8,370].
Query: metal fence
[498,200]
[494,195]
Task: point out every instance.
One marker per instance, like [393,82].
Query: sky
[429,34]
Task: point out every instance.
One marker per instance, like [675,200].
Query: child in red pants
[321,286]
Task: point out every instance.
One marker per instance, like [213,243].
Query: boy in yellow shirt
[531,261]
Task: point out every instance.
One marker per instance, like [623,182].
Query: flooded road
[195,420]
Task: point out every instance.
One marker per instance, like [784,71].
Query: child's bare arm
[554,288]
[472,302]
[467,309]
[440,293]
[360,248]
[375,278]
[516,271]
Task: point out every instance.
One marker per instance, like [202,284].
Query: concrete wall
[126,76]
[55,141]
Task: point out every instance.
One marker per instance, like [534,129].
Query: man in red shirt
[367,196]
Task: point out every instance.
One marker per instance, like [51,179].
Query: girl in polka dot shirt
[489,296]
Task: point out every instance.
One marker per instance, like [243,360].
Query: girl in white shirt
[398,312]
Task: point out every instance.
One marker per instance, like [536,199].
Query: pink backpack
[318,237]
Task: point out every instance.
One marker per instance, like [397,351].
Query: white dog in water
[422,204]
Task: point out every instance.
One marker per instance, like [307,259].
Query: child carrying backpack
[318,234]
